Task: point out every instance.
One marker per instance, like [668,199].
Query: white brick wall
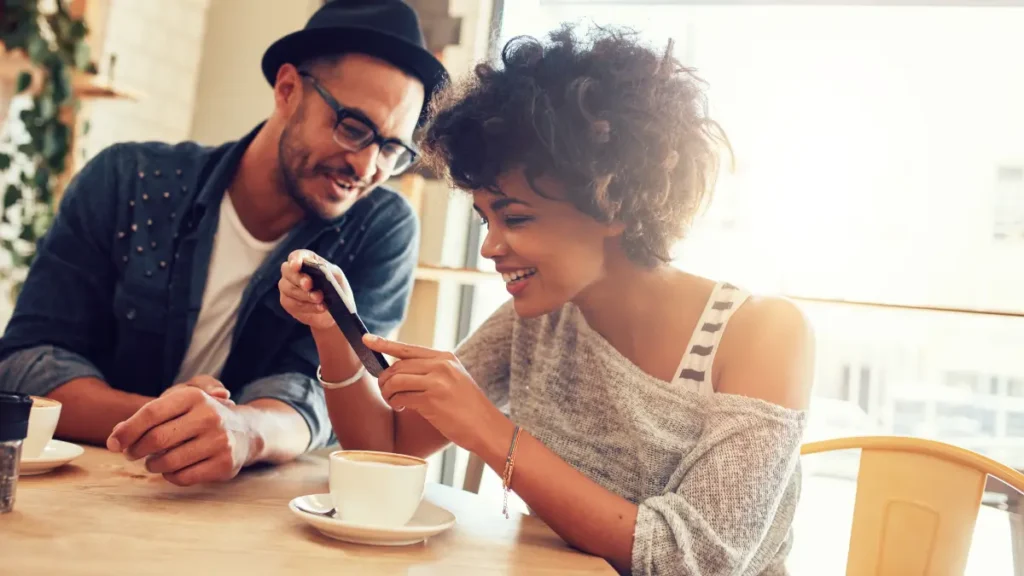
[158,45]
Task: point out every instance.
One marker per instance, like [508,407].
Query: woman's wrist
[338,361]
[328,335]
[495,441]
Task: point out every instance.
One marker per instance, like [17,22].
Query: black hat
[385,29]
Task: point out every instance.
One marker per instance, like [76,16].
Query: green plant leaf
[42,223]
[46,107]
[41,179]
[55,143]
[60,162]
[37,48]
[61,85]
[16,290]
[17,259]
[24,81]
[11,196]
[27,233]
[82,56]
[59,52]
[79,31]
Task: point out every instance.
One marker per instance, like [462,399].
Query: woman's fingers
[296,293]
[418,366]
[298,302]
[400,350]
[403,400]
[402,384]
[290,271]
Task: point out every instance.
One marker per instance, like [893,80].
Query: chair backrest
[917,503]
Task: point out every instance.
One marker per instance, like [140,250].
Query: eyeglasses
[354,132]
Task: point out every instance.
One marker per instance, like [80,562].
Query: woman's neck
[628,305]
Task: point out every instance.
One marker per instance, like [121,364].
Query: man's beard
[288,156]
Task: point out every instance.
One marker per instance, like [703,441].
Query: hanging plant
[35,153]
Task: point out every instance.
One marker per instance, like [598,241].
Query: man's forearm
[279,433]
[90,409]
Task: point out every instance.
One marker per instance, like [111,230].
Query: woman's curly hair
[623,127]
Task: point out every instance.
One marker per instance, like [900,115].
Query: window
[885,153]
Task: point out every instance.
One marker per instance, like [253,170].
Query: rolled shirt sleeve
[303,394]
[42,369]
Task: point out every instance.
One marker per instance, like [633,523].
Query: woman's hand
[438,388]
[299,298]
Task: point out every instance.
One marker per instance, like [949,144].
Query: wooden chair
[917,503]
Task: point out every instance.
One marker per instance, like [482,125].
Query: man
[151,310]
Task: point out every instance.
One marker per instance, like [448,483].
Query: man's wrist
[274,431]
[91,409]
[253,434]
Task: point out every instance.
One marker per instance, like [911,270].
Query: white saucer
[428,521]
[56,454]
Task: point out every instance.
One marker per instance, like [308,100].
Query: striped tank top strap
[694,371]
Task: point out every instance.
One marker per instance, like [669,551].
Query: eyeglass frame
[341,112]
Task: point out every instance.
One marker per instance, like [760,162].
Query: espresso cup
[42,423]
[376,488]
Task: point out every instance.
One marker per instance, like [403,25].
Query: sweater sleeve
[486,354]
[718,513]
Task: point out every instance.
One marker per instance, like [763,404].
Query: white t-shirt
[235,258]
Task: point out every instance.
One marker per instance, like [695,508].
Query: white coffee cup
[376,488]
[42,423]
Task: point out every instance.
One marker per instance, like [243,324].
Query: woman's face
[547,251]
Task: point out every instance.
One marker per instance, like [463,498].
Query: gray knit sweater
[716,476]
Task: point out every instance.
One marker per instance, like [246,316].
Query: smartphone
[342,311]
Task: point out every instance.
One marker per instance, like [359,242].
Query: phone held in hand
[342,311]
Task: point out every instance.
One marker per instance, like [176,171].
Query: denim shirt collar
[223,172]
[207,214]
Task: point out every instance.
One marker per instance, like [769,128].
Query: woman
[660,414]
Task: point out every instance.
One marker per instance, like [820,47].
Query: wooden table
[103,515]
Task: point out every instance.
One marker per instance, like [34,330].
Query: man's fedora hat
[385,29]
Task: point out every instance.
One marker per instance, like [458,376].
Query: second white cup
[42,423]
[376,488]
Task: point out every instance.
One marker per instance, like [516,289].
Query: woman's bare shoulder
[767,352]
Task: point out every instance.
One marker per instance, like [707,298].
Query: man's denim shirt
[117,283]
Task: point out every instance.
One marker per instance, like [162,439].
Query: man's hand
[187,436]
[207,384]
